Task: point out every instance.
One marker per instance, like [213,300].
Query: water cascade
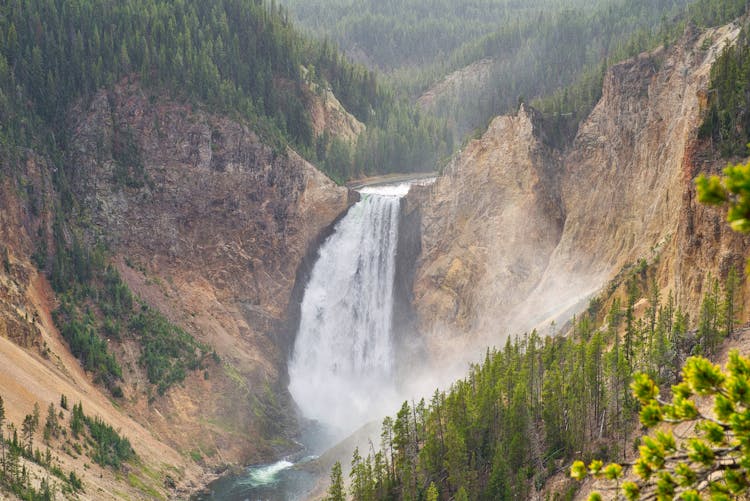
[341,371]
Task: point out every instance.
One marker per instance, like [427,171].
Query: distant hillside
[393,35]
[534,48]
[241,57]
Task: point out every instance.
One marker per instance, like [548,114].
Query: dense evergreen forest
[536,49]
[241,57]
[567,106]
[393,35]
[530,408]
[727,123]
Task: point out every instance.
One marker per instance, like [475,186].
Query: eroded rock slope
[213,225]
[207,224]
[516,235]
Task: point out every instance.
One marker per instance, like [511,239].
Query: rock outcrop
[489,225]
[206,223]
[515,235]
[329,115]
[465,81]
[38,367]
[210,225]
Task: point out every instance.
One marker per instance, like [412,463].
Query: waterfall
[341,370]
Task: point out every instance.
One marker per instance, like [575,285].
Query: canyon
[217,230]
[547,229]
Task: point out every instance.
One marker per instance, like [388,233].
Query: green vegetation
[86,345]
[550,52]
[168,352]
[109,448]
[716,462]
[714,457]
[240,57]
[716,12]
[540,402]
[411,32]
[567,106]
[535,47]
[732,189]
[727,123]
[336,491]
[15,452]
[95,302]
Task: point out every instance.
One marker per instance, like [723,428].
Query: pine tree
[336,490]
[51,426]
[729,302]
[77,420]
[27,432]
[432,493]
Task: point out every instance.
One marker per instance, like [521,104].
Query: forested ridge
[531,407]
[548,50]
[240,57]
[392,35]
[534,47]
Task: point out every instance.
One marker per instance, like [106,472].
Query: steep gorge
[215,236]
[210,226]
[206,224]
[545,230]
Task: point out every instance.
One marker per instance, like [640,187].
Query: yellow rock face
[516,234]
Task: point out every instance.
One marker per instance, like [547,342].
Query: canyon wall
[516,234]
[206,223]
[212,234]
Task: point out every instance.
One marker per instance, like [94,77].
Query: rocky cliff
[489,225]
[38,367]
[207,224]
[213,225]
[515,234]
[329,115]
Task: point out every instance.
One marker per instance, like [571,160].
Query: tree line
[240,57]
[539,402]
[82,435]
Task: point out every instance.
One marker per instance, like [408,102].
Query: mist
[342,368]
[347,369]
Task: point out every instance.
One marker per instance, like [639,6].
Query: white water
[341,370]
[267,474]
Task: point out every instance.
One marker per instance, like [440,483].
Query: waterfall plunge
[341,370]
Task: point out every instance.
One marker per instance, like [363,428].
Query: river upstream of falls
[341,372]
